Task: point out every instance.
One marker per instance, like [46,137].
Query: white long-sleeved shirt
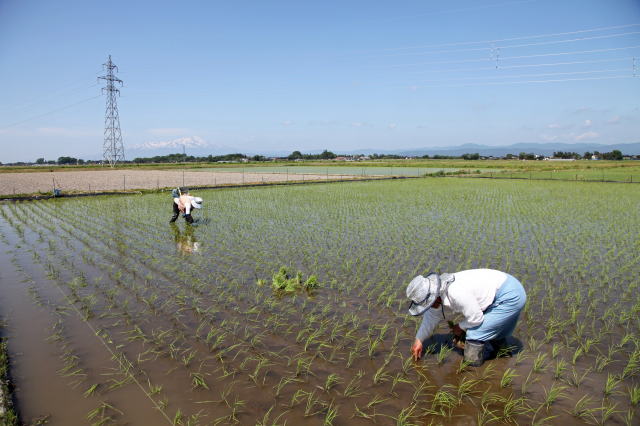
[470,294]
[186,202]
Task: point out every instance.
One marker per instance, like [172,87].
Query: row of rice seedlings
[70,359]
[124,364]
[380,288]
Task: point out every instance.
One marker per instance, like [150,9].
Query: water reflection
[186,242]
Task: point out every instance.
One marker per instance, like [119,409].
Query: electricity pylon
[113,150]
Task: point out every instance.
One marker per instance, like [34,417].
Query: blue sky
[258,77]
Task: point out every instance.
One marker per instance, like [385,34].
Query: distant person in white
[182,203]
[490,302]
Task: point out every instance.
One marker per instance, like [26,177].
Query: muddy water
[43,391]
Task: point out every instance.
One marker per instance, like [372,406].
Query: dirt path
[118,180]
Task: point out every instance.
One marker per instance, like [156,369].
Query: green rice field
[603,174]
[286,305]
[338,170]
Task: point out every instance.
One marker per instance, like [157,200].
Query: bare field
[118,180]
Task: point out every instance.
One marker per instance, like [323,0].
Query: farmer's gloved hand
[457,331]
[416,349]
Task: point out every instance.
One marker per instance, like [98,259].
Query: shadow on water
[437,341]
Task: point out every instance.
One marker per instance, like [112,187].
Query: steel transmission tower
[113,150]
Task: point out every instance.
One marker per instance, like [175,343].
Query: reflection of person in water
[186,242]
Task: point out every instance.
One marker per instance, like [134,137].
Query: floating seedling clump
[286,282]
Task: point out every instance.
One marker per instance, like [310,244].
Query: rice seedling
[540,363]
[352,389]
[524,387]
[443,403]
[559,369]
[628,418]
[611,383]
[606,411]
[554,393]
[443,353]
[634,394]
[331,414]
[577,354]
[265,420]
[197,379]
[103,414]
[381,375]
[332,380]
[404,416]
[507,377]
[91,390]
[575,379]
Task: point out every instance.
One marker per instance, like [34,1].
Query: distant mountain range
[485,150]
[499,151]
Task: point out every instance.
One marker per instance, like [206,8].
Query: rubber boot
[474,352]
[174,218]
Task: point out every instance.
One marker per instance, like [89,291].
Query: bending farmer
[183,203]
[489,300]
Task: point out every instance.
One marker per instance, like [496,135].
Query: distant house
[559,159]
[595,157]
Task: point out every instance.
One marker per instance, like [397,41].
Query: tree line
[613,155]
[326,155]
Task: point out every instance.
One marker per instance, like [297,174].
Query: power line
[72,87]
[504,67]
[492,48]
[50,112]
[502,83]
[577,52]
[530,75]
[615,27]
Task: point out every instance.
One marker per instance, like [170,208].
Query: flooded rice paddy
[114,316]
[341,170]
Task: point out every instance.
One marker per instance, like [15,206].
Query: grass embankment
[8,415]
[627,173]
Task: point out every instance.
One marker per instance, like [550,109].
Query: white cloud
[587,123]
[187,142]
[614,120]
[168,131]
[554,126]
[586,135]
[392,125]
